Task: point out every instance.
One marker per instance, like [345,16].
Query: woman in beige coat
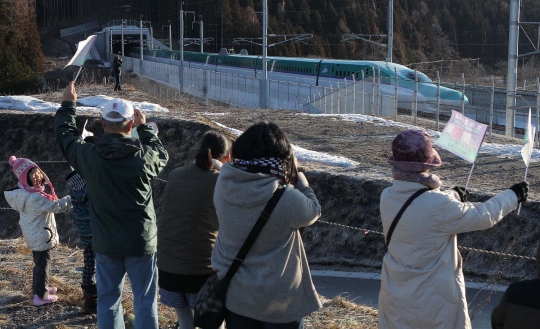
[422,279]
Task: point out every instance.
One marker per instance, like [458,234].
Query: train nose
[453,97]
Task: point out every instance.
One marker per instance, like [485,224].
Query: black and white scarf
[269,166]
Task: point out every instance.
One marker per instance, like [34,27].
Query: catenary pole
[181,37]
[122,23]
[141,39]
[512,67]
[263,86]
[201,36]
[170,36]
[390,29]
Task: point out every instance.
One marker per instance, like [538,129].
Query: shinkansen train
[321,72]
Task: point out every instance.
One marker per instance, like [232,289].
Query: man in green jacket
[118,170]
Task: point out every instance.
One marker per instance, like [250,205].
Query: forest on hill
[423,30]
[21,59]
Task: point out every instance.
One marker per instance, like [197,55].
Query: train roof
[328,60]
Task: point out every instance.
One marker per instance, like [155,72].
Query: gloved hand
[521,190]
[463,194]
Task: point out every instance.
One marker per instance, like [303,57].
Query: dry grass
[16,274]
[339,313]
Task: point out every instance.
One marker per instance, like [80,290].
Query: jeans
[143,274]
[42,269]
[237,321]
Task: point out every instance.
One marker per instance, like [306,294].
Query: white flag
[83,49]
[85,133]
[528,141]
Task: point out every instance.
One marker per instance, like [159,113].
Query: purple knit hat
[412,151]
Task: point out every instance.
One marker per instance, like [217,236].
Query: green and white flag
[528,141]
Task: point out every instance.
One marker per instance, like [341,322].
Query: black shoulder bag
[210,305]
[399,214]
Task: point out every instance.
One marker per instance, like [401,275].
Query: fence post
[491,108]
[338,91]
[438,99]
[354,95]
[396,93]
[463,93]
[372,108]
[324,93]
[363,92]
[346,96]
[537,108]
[379,97]
[415,97]
[331,99]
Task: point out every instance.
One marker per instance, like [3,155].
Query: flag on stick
[527,148]
[463,136]
[528,142]
[85,133]
[83,49]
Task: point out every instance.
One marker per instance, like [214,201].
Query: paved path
[366,291]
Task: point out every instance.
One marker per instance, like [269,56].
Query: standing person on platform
[117,72]
[422,285]
[118,170]
[38,225]
[188,227]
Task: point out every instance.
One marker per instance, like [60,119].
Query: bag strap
[400,213]
[263,218]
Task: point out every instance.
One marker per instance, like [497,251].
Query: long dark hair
[214,145]
[266,140]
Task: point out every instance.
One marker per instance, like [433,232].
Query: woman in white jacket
[422,279]
[36,209]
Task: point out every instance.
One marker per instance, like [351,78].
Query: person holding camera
[117,71]
[272,287]
[422,284]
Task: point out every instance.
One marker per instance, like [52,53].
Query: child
[37,209]
[79,197]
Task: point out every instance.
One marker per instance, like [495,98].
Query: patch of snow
[27,103]
[92,103]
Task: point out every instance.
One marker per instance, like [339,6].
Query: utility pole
[512,67]
[263,86]
[123,37]
[141,39]
[181,37]
[151,38]
[170,36]
[201,33]
[390,29]
[222,31]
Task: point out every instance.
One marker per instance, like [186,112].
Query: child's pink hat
[21,167]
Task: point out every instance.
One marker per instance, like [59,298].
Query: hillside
[424,30]
[349,196]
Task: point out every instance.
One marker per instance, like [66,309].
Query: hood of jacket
[245,189]
[117,146]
